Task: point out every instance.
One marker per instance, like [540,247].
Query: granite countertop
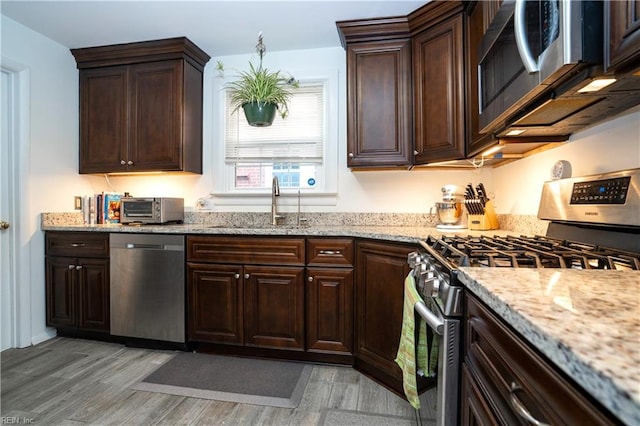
[405,234]
[586,321]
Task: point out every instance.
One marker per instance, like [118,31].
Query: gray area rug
[233,379]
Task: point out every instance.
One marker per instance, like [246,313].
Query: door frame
[20,237]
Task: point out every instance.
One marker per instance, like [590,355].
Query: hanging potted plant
[260,92]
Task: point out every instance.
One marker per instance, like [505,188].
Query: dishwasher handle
[134,246]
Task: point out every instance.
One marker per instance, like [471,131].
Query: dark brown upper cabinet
[622,35]
[141,107]
[406,87]
[439,89]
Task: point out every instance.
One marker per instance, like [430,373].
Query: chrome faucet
[275,192]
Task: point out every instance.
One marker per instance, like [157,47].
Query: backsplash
[524,224]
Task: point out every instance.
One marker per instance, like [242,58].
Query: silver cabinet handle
[78,267]
[329,252]
[72,266]
[519,407]
[310,279]
[76,245]
[246,276]
[237,276]
[129,163]
[124,163]
[351,155]
[415,152]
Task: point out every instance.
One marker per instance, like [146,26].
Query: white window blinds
[298,138]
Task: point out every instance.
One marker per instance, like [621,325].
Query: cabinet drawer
[330,252]
[241,250]
[77,244]
[499,358]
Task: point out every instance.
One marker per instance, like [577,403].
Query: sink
[268,226]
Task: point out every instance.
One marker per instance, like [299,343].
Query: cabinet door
[380,272]
[379,116]
[93,294]
[474,409]
[215,305]
[274,307]
[438,84]
[623,34]
[156,95]
[103,119]
[329,300]
[61,284]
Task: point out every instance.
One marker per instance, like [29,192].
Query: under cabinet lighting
[492,150]
[597,84]
[515,132]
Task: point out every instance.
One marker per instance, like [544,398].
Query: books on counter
[102,208]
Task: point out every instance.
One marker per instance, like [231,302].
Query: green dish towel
[410,360]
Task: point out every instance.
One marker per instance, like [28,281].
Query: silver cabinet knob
[310,279]
[4,225]
[72,266]
[124,163]
[129,163]
[246,276]
[237,276]
[415,152]
[78,267]
[351,155]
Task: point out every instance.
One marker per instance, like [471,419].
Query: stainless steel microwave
[151,210]
[530,45]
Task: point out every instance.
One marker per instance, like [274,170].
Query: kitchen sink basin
[252,226]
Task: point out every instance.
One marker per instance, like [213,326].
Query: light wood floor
[75,382]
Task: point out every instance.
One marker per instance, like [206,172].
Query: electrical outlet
[77,202]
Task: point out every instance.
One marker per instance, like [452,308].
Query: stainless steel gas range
[594,224]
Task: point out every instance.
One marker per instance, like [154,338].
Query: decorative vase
[259,114]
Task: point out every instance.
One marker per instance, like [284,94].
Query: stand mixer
[450,212]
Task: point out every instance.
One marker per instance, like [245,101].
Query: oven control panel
[603,191]
[611,199]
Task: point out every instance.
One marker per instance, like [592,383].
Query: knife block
[483,222]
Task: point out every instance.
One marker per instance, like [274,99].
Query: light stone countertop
[586,322]
[404,234]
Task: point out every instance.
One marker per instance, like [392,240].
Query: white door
[15,245]
[7,260]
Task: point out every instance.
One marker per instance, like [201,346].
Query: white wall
[606,147]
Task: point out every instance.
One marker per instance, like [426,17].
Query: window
[300,150]
[283,149]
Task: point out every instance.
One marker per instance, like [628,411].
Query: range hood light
[492,150]
[514,132]
[597,84]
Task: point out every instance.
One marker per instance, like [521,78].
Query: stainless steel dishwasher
[147,286]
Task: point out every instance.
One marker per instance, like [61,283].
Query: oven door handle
[435,322]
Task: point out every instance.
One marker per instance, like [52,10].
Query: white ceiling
[221,27]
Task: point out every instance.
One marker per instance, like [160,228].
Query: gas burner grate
[530,252]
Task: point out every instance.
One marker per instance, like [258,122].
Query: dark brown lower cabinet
[329,310]
[231,300]
[246,305]
[274,307]
[215,303]
[501,369]
[77,288]
[381,268]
